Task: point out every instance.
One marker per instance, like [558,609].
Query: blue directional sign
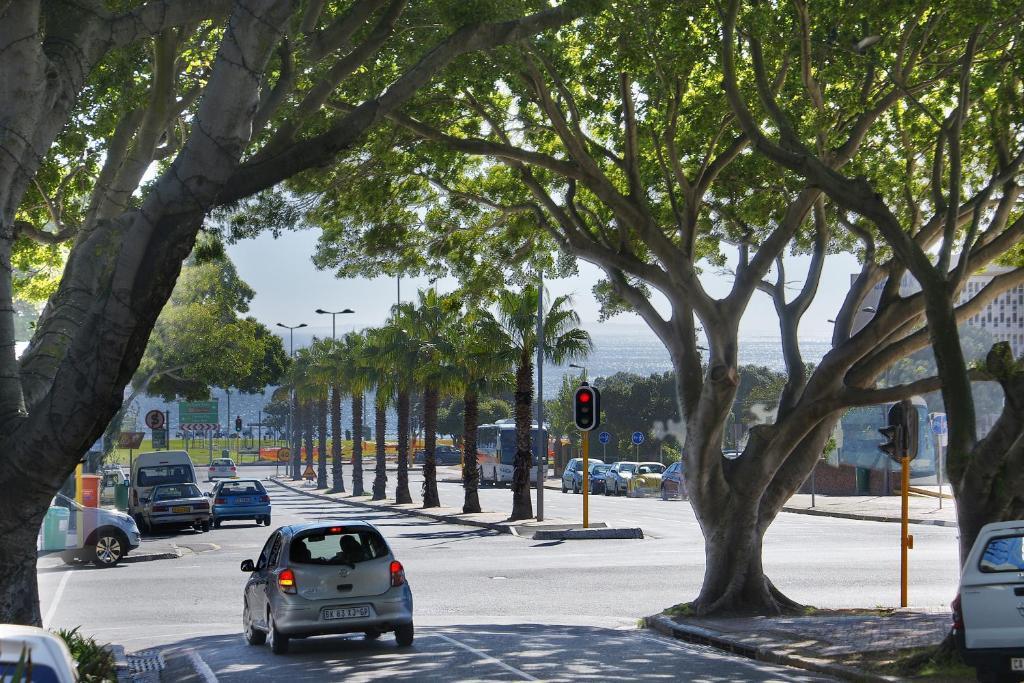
[604,437]
[939,425]
[638,438]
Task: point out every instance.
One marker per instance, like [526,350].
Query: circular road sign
[155,419]
[604,437]
[638,438]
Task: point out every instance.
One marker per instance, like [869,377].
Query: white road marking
[485,657]
[48,619]
[202,668]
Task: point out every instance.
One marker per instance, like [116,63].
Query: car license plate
[345,612]
[243,500]
[181,508]
[1017,664]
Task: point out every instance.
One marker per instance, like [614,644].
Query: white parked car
[107,535]
[988,613]
[222,468]
[51,659]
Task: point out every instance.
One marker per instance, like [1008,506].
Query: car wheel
[266,520]
[206,526]
[664,493]
[253,636]
[278,640]
[404,635]
[564,490]
[371,635]
[109,549]
[216,524]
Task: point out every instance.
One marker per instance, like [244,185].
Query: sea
[616,349]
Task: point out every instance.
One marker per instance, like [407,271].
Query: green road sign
[193,412]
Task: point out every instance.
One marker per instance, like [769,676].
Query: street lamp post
[542,460]
[291,407]
[333,315]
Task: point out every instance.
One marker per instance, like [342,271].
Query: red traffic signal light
[586,409]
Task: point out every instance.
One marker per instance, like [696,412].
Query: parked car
[597,477]
[987,613]
[107,535]
[176,505]
[113,476]
[153,469]
[672,483]
[50,658]
[616,478]
[319,578]
[221,468]
[646,480]
[240,499]
[443,455]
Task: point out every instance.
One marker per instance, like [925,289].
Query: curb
[151,557]
[866,518]
[418,512]
[721,641]
[121,669]
[587,534]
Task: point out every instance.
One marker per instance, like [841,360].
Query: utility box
[55,528]
[91,490]
[121,496]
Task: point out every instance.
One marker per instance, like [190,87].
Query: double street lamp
[333,314]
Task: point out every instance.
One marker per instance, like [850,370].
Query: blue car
[240,499]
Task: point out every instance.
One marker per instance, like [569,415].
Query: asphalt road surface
[491,606]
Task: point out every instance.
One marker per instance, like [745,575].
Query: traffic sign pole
[586,478]
[906,540]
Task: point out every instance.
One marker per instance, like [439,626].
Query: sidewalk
[859,645]
[923,509]
[495,521]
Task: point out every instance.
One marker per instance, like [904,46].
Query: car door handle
[342,587]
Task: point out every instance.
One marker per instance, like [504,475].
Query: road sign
[198,426]
[604,437]
[939,423]
[638,438]
[284,454]
[130,440]
[155,419]
[309,473]
[198,412]
[159,439]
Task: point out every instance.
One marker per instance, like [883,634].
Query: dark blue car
[240,499]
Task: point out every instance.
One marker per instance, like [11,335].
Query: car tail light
[958,615]
[232,469]
[397,573]
[201,506]
[264,499]
[159,508]
[286,581]
[218,501]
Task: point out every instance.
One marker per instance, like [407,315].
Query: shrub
[95,661]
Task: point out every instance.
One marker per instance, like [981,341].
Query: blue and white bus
[861,439]
[496,451]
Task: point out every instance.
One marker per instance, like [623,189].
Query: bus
[496,451]
[861,439]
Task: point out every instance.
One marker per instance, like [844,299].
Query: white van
[153,469]
[988,614]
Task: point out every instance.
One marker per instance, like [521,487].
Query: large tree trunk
[296,438]
[470,465]
[380,478]
[308,420]
[321,463]
[357,444]
[337,477]
[522,505]
[402,494]
[430,400]
[19,591]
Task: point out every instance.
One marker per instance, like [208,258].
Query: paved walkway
[843,643]
[923,509]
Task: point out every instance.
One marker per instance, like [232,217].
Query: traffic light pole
[906,540]
[586,479]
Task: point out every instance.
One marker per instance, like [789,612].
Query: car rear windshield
[223,463]
[1004,554]
[41,673]
[337,546]
[242,488]
[172,492]
[164,474]
[651,469]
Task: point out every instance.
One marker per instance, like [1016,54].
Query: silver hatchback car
[321,578]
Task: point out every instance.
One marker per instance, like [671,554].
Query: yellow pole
[906,541]
[586,478]
[79,518]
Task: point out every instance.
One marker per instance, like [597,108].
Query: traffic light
[238,423]
[893,445]
[901,433]
[586,407]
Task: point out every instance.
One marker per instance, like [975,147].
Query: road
[491,606]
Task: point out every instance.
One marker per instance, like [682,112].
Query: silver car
[321,578]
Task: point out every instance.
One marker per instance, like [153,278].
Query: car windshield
[599,469]
[241,488]
[1005,554]
[337,546]
[650,469]
[627,467]
[178,491]
[164,474]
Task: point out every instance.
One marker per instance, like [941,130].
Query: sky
[289,288]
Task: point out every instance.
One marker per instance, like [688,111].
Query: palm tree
[427,322]
[476,366]
[562,341]
[328,373]
[308,394]
[297,381]
[377,374]
[357,378]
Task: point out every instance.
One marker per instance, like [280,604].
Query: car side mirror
[143,500]
[209,494]
[248,566]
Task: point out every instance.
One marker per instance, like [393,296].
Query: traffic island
[591,533]
[856,645]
